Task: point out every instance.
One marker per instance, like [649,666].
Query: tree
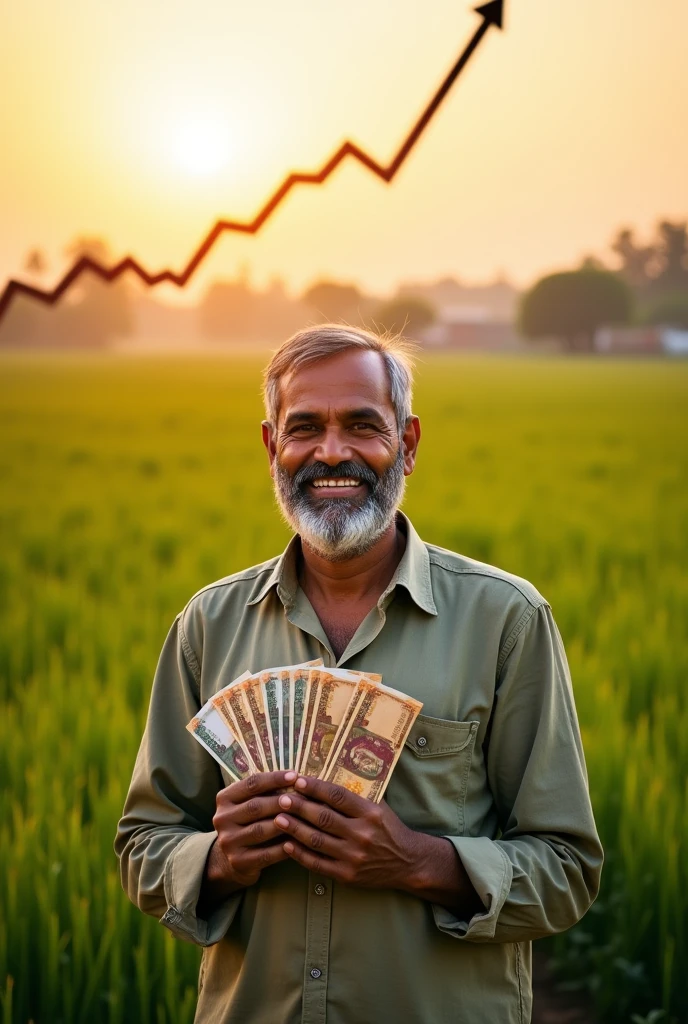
[90,316]
[659,268]
[636,260]
[673,257]
[404,315]
[670,310]
[101,310]
[591,262]
[36,262]
[233,311]
[24,326]
[334,301]
[228,310]
[573,305]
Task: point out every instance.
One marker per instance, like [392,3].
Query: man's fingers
[309,837]
[256,785]
[313,861]
[337,797]
[256,809]
[256,833]
[320,815]
[256,860]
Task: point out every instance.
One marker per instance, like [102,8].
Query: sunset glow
[199,146]
[143,124]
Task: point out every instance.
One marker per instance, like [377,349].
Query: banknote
[376,732]
[285,726]
[334,693]
[224,691]
[293,704]
[258,713]
[274,685]
[311,696]
[299,682]
[276,689]
[270,686]
[372,677]
[221,702]
[237,701]
[333,723]
[211,730]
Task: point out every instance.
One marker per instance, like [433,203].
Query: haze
[144,123]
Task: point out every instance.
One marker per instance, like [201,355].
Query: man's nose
[333,448]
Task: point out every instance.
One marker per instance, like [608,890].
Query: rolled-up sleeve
[542,873]
[166,832]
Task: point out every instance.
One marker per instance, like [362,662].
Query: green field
[129,483]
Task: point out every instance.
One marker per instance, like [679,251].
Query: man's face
[336,456]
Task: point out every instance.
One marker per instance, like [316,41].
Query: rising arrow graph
[491,14]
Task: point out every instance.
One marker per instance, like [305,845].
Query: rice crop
[128,483]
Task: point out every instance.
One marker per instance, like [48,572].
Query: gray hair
[312,344]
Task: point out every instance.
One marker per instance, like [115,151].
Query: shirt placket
[317,962]
[319,905]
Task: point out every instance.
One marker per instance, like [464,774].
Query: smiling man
[315,905]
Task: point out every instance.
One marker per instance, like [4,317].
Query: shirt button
[315,973]
[421,741]
[319,889]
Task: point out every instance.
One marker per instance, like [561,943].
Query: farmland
[128,483]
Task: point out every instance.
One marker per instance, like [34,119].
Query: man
[315,905]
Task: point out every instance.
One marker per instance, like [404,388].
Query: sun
[200,145]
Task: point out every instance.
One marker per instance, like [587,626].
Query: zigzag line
[491,13]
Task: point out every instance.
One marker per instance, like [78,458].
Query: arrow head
[493,13]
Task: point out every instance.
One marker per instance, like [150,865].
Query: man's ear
[410,440]
[269,442]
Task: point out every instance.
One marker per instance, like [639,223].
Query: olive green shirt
[494,763]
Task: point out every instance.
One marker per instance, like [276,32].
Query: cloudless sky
[144,122]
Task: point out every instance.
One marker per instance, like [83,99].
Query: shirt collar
[412,573]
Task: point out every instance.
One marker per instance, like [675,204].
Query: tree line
[95,313]
[649,288]
[89,316]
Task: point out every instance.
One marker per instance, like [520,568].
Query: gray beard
[340,528]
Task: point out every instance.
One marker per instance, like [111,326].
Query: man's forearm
[439,877]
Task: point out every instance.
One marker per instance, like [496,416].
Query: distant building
[479,317]
[155,320]
[483,337]
[456,302]
[629,340]
[641,341]
[674,342]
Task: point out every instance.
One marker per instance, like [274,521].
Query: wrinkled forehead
[346,381]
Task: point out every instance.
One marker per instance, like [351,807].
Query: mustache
[345,470]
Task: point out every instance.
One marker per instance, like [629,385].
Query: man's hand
[339,834]
[246,829]
[335,833]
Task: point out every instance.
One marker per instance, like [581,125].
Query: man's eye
[364,426]
[303,427]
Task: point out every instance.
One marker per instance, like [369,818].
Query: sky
[144,123]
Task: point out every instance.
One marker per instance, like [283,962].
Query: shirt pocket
[428,787]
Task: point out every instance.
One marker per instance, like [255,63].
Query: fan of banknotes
[334,724]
